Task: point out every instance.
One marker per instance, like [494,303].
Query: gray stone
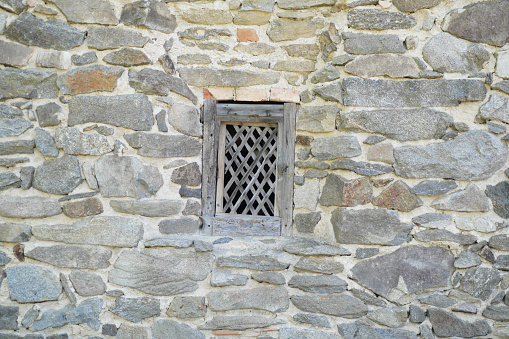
[58,176]
[147,208]
[471,199]
[87,284]
[137,180]
[470,21]
[293,333]
[48,114]
[282,29]
[378,19]
[194,59]
[255,48]
[446,53]
[340,305]
[31,315]
[161,121]
[29,30]
[13,6]
[186,192]
[54,59]
[416,314]
[500,313]
[317,118]
[45,143]
[164,328]
[152,15]
[30,207]
[9,317]
[502,263]
[502,68]
[499,242]
[202,77]
[313,319]
[499,195]
[402,124]
[178,226]
[11,162]
[438,300]
[306,222]
[496,109]
[187,307]
[414,5]
[78,196]
[359,43]
[448,325]
[443,235]
[502,86]
[72,256]
[291,65]
[109,329]
[68,290]
[269,277]
[483,224]
[4,259]
[186,119]
[159,145]
[374,139]
[89,11]
[318,283]
[169,274]
[131,111]
[326,74]
[419,268]
[369,227]
[361,167]
[354,331]
[363,253]
[222,277]
[313,248]
[206,16]
[9,180]
[224,322]
[14,54]
[77,143]
[136,309]
[15,233]
[28,284]
[391,93]
[107,231]
[462,158]
[192,208]
[495,128]
[151,81]
[28,83]
[10,112]
[169,242]
[272,299]
[307,51]
[467,259]
[203,246]
[300,4]
[254,262]
[390,317]
[335,147]
[17,147]
[434,187]
[316,265]
[392,65]
[127,57]
[85,58]
[86,312]
[126,331]
[330,92]
[480,282]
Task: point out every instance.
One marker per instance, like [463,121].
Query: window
[248,166]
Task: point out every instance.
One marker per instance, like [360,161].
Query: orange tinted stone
[246,34]
[89,79]
[251,94]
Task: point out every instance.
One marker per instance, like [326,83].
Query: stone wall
[401,199]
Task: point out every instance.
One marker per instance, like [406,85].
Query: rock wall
[401,198]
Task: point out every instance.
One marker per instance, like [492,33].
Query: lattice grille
[250,170]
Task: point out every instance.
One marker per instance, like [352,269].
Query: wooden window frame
[221,224]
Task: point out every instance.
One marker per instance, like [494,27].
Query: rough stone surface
[89,79]
[283,29]
[467,259]
[273,299]
[379,19]
[499,195]
[13,6]
[164,328]
[434,187]
[390,317]
[45,143]
[85,58]
[126,331]
[127,57]
[414,5]
[416,314]
[187,307]
[470,22]
[443,235]
[136,309]
[369,227]
[222,277]
[15,233]
[107,231]
[87,284]
[471,199]
[420,268]
[269,277]
[341,305]
[17,147]
[498,313]
[76,143]
[391,65]
[438,300]
[9,317]
[14,54]
[86,312]
[186,119]
[102,38]
[306,196]
[483,224]
[48,114]
[313,319]
[30,207]
[313,248]
[402,125]
[83,208]
[335,147]
[72,256]
[448,325]
[202,77]
[259,263]
[359,43]
[317,118]
[337,191]
[318,284]
[9,180]
[147,208]
[224,322]
[306,222]
[58,176]
[360,167]
[473,155]
[164,146]
[499,242]
[292,333]
[317,265]
[178,226]
[154,15]
[354,331]
[28,284]
[480,282]
[446,53]
[28,83]
[29,30]
[89,11]
[398,197]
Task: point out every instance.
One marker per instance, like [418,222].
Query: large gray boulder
[58,176]
[419,268]
[29,284]
[473,155]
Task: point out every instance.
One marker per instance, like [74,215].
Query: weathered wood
[251,121]
[209,164]
[260,110]
[220,168]
[286,178]
[236,225]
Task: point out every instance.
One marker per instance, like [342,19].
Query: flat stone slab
[107,231]
[283,29]
[420,268]
[444,235]
[317,118]
[353,331]
[318,265]
[369,227]
[390,316]
[164,328]
[360,43]
[29,284]
[130,111]
[87,284]
[28,83]
[30,207]
[9,317]
[72,256]
[480,282]
[13,54]
[471,199]
[391,65]
[187,307]
[448,325]
[272,299]
[335,147]
[224,322]
[340,305]
[496,109]
[269,277]
[102,38]
[88,12]
[58,176]
[293,333]
[15,233]
[434,187]
[154,15]
[414,5]
[378,19]
[313,248]
[136,309]
[473,155]
[86,312]
[203,77]
[147,208]
[259,263]
[89,79]
[164,146]
[499,196]
[318,283]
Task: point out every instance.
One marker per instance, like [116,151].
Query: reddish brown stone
[83,208]
[246,34]
[357,192]
[398,197]
[304,140]
[89,79]
[127,57]
[381,152]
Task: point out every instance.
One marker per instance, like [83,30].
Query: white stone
[306,196]
[483,224]
[54,59]
[502,68]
